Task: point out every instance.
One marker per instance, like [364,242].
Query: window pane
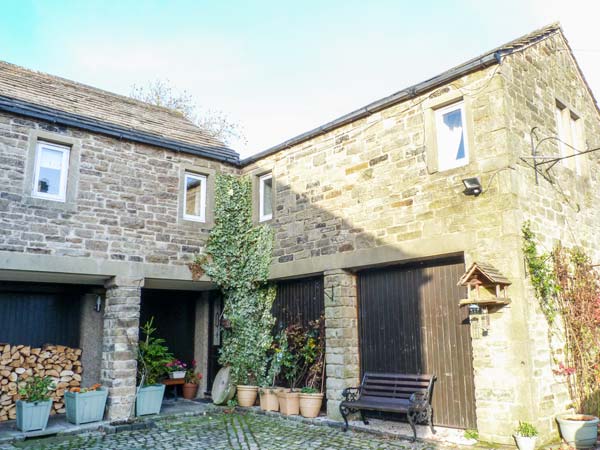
[193,196]
[454,134]
[50,171]
[267,204]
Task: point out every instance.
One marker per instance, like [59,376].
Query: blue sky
[277,67]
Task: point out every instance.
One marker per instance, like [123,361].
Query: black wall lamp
[472,186]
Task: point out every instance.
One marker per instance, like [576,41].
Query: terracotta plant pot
[190,390]
[289,403]
[268,399]
[246,395]
[578,430]
[310,404]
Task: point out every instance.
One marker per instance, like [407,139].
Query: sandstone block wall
[126,206]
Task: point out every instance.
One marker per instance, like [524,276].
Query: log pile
[19,362]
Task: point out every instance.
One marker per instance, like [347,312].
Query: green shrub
[36,389]
[153,356]
[309,390]
[526,430]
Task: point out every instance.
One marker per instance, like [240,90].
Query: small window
[51,171]
[265,197]
[194,199]
[451,136]
[570,134]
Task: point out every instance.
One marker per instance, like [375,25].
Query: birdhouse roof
[487,271]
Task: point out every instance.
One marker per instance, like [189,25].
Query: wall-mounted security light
[472,186]
[98,305]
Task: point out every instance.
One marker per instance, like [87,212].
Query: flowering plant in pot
[525,436]
[567,287]
[85,404]
[176,369]
[192,381]
[313,354]
[153,357]
[33,408]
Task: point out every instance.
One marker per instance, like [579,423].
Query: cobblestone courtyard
[221,431]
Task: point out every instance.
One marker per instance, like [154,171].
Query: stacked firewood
[19,362]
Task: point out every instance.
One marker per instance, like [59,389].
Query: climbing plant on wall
[568,289]
[237,259]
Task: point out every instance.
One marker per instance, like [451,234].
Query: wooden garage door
[410,322]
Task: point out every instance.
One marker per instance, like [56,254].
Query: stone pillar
[341,337]
[120,343]
[201,340]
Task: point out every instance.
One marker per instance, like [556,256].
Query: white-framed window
[265,197]
[194,197]
[570,135]
[451,133]
[51,171]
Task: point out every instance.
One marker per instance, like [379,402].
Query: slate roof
[488,271]
[64,101]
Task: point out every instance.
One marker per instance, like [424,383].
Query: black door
[410,322]
[174,315]
[214,336]
[37,315]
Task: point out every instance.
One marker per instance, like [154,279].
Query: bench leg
[363,418]
[411,422]
[344,412]
[430,418]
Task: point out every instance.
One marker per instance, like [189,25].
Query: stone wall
[126,206]
[563,206]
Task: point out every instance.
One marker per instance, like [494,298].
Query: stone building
[386,207]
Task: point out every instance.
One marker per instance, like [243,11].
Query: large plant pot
[268,399]
[289,403]
[310,404]
[190,390]
[578,430]
[85,407]
[149,399]
[33,416]
[525,443]
[246,395]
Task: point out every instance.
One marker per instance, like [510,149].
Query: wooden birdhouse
[486,286]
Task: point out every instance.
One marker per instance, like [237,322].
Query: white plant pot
[525,443]
[579,430]
[177,374]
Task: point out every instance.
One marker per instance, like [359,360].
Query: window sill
[50,204]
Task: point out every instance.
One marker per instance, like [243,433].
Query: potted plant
[192,380]
[153,357]
[268,391]
[85,404]
[33,408]
[525,436]
[579,430]
[289,399]
[246,393]
[176,369]
[313,356]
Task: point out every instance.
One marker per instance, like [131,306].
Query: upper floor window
[570,134]
[51,171]
[265,199]
[451,135]
[194,198]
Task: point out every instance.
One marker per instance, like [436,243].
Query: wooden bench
[174,382]
[390,392]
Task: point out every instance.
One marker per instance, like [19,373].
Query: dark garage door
[410,322]
[37,315]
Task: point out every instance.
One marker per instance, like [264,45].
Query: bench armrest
[351,394]
[419,399]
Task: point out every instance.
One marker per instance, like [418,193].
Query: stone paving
[216,430]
